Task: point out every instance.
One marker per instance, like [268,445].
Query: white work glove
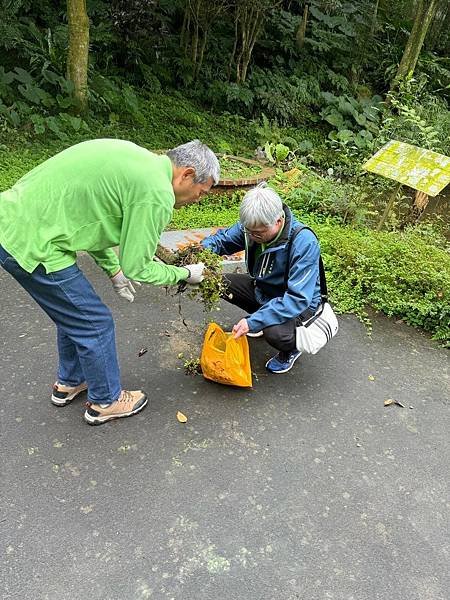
[195,273]
[124,286]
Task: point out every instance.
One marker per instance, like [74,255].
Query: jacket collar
[284,237]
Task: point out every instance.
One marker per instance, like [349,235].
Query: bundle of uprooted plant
[210,290]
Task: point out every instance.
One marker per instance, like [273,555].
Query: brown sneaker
[128,404]
[63,394]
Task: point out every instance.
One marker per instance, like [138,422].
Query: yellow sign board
[418,168]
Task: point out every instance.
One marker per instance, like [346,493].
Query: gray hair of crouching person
[198,156]
[261,206]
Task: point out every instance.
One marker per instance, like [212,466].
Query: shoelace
[126,396]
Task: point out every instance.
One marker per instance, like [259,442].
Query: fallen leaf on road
[392,401]
[371,378]
[181,418]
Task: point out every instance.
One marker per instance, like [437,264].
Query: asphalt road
[304,487]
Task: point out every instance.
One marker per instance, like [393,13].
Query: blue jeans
[85,327]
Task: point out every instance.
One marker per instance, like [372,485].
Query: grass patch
[215,210]
[233,169]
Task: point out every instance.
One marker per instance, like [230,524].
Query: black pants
[241,288]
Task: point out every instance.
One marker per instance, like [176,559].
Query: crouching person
[283,280]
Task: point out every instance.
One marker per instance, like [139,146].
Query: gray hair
[198,156]
[261,206]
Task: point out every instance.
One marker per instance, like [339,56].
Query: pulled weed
[211,289]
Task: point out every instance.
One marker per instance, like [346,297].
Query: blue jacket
[278,302]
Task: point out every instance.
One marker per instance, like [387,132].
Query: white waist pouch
[314,333]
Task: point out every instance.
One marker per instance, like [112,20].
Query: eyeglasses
[261,233]
[256,234]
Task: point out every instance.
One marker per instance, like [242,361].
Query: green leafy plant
[40,103]
[276,153]
[192,366]
[355,121]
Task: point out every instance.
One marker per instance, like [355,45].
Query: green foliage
[214,210]
[309,192]
[417,118]
[355,122]
[435,72]
[167,121]
[284,97]
[192,366]
[400,274]
[9,25]
[116,100]
[276,153]
[297,140]
[284,146]
[38,101]
[13,165]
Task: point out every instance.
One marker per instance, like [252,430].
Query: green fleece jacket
[92,197]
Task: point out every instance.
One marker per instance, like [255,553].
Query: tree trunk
[199,64]
[194,48]
[301,32]
[425,12]
[250,25]
[248,54]
[195,13]
[235,45]
[78,53]
[184,29]
[373,26]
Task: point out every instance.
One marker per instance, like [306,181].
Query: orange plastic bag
[224,359]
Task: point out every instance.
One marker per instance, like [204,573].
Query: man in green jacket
[91,197]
